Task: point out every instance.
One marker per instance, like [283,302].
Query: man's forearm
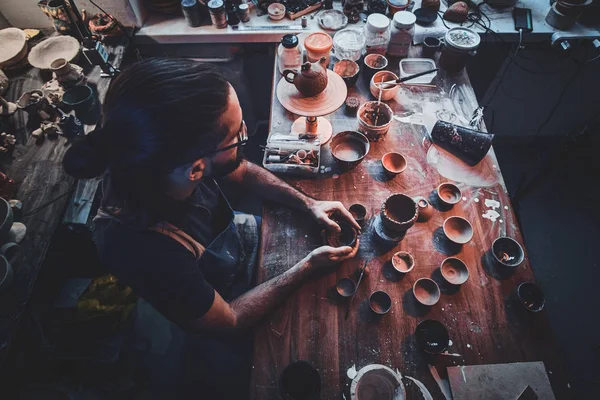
[268,186]
[253,305]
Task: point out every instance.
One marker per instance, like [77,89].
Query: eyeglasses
[242,140]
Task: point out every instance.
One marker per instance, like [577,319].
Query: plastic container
[349,44]
[289,55]
[402,34]
[412,66]
[286,156]
[377,34]
[318,45]
[459,45]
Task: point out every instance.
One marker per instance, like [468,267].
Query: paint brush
[362,272]
[379,102]
[389,84]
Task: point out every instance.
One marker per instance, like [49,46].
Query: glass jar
[217,13]
[348,44]
[459,45]
[402,33]
[318,45]
[288,53]
[377,34]
[244,12]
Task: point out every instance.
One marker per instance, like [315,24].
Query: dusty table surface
[43,187]
[486,326]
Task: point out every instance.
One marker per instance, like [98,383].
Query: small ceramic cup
[380,302]
[403,262]
[348,70]
[393,163]
[388,92]
[454,271]
[373,63]
[431,45]
[345,287]
[458,230]
[426,291]
[359,212]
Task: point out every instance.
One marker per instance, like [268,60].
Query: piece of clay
[457,12]
[431,4]
[17,232]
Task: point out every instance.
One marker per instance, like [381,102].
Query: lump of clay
[431,4]
[17,233]
[457,12]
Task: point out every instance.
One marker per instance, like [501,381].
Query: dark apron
[181,363]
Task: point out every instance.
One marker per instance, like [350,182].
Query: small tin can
[218,15]
[244,12]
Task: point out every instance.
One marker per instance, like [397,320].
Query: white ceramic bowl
[276,11]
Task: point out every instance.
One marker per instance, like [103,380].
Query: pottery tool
[388,84]
[297,28]
[362,272]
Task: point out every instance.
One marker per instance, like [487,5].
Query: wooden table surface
[485,324]
[43,187]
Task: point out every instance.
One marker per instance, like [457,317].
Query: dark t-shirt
[158,268]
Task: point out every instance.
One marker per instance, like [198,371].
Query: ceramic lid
[462,38]
[318,42]
[215,4]
[188,3]
[243,7]
[404,20]
[377,23]
[289,41]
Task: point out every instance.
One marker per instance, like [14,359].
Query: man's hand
[322,211]
[325,257]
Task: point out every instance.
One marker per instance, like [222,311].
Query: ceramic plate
[332,20]
[42,55]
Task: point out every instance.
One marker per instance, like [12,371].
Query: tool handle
[408,78]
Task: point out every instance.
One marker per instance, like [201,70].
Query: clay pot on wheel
[312,78]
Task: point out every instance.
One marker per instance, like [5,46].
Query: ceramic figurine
[67,74]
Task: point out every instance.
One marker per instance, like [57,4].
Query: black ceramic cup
[430,46]
[432,336]
[300,381]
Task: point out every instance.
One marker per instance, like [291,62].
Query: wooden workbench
[43,187]
[486,325]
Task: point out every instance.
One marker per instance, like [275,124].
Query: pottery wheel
[324,103]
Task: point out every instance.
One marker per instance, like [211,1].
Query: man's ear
[198,170]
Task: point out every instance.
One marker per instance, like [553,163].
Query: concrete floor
[558,210]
